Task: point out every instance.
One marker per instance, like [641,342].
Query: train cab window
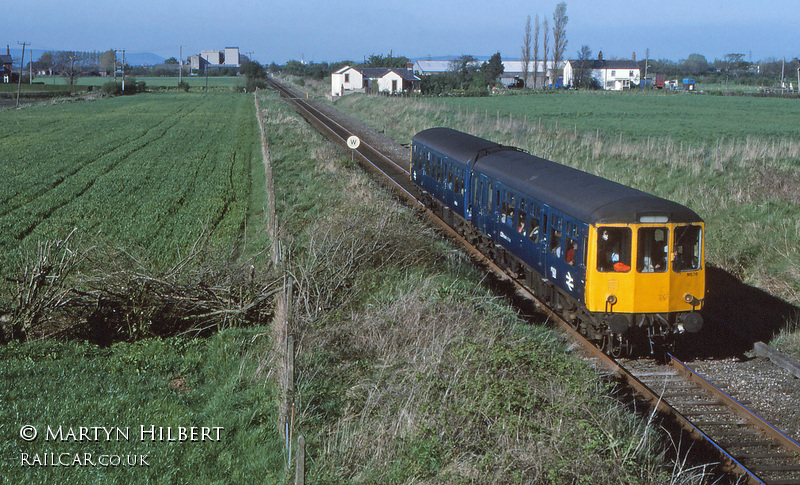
[686,248]
[652,250]
[614,249]
[489,205]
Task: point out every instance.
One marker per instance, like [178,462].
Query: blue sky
[317,30]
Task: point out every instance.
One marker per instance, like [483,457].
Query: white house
[614,75]
[373,80]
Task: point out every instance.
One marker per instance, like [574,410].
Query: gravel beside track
[768,390]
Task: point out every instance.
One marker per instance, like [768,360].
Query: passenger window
[614,249]
[520,224]
[571,251]
[686,248]
[652,250]
[533,232]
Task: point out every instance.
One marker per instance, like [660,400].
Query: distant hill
[132,58]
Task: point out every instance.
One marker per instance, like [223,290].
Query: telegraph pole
[22,59]
[122,68]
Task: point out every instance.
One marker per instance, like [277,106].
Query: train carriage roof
[459,146]
[584,196]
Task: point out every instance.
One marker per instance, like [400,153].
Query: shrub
[184,85]
[111,88]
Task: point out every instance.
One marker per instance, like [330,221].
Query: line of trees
[530,44]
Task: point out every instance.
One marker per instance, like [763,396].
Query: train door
[537,219]
[572,262]
[553,245]
[506,228]
[493,214]
[479,205]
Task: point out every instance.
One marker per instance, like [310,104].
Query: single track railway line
[746,444]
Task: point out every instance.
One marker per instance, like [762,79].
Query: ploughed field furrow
[732,430]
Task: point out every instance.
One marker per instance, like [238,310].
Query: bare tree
[526,52]
[583,73]
[535,50]
[545,47]
[560,20]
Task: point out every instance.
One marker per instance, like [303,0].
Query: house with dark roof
[373,80]
[613,75]
[5,67]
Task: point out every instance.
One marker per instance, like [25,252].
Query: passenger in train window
[533,234]
[618,265]
[570,256]
[652,257]
[555,242]
[614,249]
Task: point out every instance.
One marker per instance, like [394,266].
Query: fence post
[300,469]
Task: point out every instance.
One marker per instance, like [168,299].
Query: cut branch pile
[107,295]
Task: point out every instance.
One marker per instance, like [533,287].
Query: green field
[152,172]
[684,117]
[194,81]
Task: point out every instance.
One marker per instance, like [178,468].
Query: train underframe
[615,333]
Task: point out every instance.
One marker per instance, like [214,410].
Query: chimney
[409,65]
[8,50]
[600,56]
[634,56]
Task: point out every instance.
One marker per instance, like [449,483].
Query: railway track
[746,444]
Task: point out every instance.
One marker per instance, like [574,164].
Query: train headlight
[688,298]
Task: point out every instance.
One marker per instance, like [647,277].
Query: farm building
[612,75]
[546,73]
[373,80]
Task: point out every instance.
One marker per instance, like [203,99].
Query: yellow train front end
[650,275]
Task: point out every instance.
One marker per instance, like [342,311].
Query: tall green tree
[494,68]
[254,75]
[107,59]
[695,64]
